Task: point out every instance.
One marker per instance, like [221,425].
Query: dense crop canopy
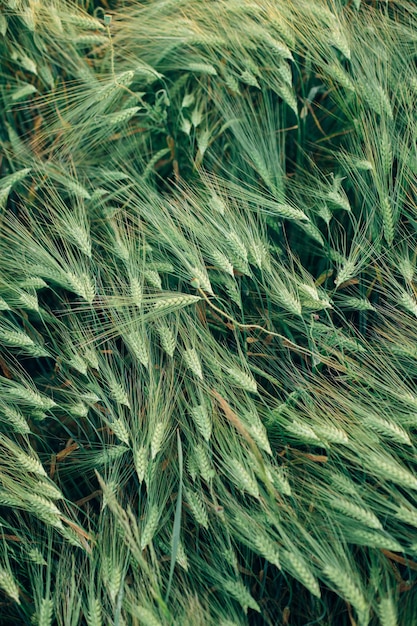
[208,313]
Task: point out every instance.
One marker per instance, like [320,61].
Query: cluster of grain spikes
[208,304]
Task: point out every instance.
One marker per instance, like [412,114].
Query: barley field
[208,313]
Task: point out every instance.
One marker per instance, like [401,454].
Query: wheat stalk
[26,395]
[27,462]
[326,432]
[118,393]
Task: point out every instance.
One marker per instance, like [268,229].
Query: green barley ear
[157,438]
[203,420]
[9,585]
[243,478]
[374,540]
[141,462]
[239,592]
[391,470]
[299,569]
[389,429]
[259,433]
[201,199]
[24,394]
[387,612]
[137,342]
[146,616]
[203,463]
[150,526]
[113,581]
[268,550]
[94,613]
[346,585]
[356,512]
[197,508]
[167,338]
[45,612]
[192,361]
[242,379]
[14,418]
[120,429]
[28,462]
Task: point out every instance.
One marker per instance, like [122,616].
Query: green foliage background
[208,302]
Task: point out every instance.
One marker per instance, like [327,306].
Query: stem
[251,326]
